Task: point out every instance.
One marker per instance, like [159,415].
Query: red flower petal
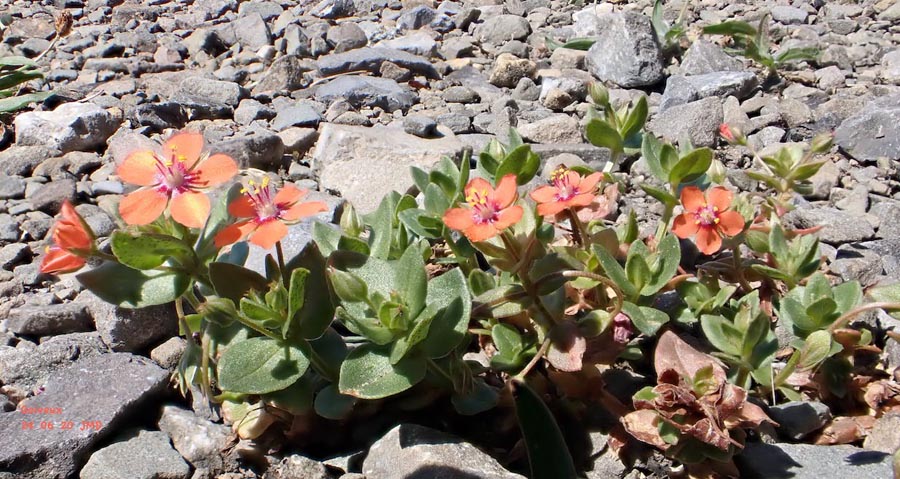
[142,207]
[190,209]
[508,217]
[139,168]
[708,240]
[544,194]
[459,219]
[234,233]
[505,193]
[720,197]
[269,233]
[549,209]
[589,182]
[58,260]
[289,194]
[184,146]
[216,169]
[685,226]
[731,223]
[303,210]
[482,232]
[692,198]
[480,186]
[242,207]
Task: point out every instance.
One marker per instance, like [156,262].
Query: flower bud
[623,329]
[63,24]
[351,222]
[821,143]
[219,310]
[732,134]
[347,286]
[716,172]
[599,94]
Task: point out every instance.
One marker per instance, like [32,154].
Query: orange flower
[176,176]
[267,212]
[732,134]
[72,241]
[490,211]
[707,219]
[568,190]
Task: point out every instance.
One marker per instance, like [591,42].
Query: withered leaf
[672,352]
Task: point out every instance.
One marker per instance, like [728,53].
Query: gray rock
[117,385]
[699,121]
[889,213]
[50,197]
[805,461]
[168,354]
[707,57]
[508,70]
[560,128]
[416,452]
[606,463]
[212,91]
[198,440]
[257,150]
[797,419]
[11,187]
[371,59]
[873,132]
[420,125]
[626,52]
[346,36]
[287,73]
[416,17]
[367,91]
[888,250]
[457,94]
[70,127]
[417,43]
[25,369]
[49,320]
[526,90]
[788,15]
[853,262]
[839,226]
[296,466]
[249,110]
[334,9]
[252,32]
[130,330]
[298,140]
[13,254]
[149,455]
[296,115]
[885,434]
[364,164]
[22,160]
[680,89]
[499,29]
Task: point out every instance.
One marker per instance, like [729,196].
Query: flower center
[565,190]
[707,216]
[173,176]
[484,208]
[263,198]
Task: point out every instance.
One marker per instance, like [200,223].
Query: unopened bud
[733,135]
[599,94]
[351,222]
[623,329]
[219,310]
[716,172]
[63,24]
[821,143]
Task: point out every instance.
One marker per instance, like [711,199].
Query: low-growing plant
[389,307]
[16,71]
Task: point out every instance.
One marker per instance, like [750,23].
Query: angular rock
[416,452]
[559,128]
[130,330]
[212,91]
[367,91]
[12,187]
[885,435]
[70,127]
[95,392]
[260,149]
[420,125]
[417,43]
[706,57]
[873,132]
[198,440]
[252,32]
[346,36]
[168,354]
[49,320]
[499,29]
[371,59]
[296,115]
[25,369]
[788,15]
[839,226]
[287,73]
[508,70]
[149,455]
[297,466]
[680,89]
[627,52]
[797,419]
[22,160]
[699,121]
[805,461]
[364,164]
[50,197]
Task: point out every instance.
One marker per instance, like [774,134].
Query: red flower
[490,211]
[707,219]
[72,241]
[732,134]
[177,176]
[568,190]
[267,212]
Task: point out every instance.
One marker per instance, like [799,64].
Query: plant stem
[846,317]
[464,261]
[664,222]
[436,368]
[534,361]
[320,365]
[739,268]
[620,298]
[578,234]
[786,371]
[280,253]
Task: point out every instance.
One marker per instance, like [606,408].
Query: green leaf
[614,271]
[792,54]
[480,282]
[436,201]
[594,323]
[232,281]
[317,312]
[15,78]
[415,336]
[331,404]
[816,349]
[16,103]
[722,334]
[129,288]
[691,166]
[479,398]
[887,293]
[847,296]
[450,296]
[382,222]
[507,339]
[659,194]
[517,302]
[822,312]
[296,399]
[411,280]
[420,178]
[650,320]
[260,365]
[147,251]
[636,119]
[218,219]
[548,454]
[601,134]
[651,151]
[664,266]
[296,294]
[521,162]
[730,28]
[636,268]
[367,373]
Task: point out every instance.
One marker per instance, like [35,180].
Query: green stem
[545,345]
[578,234]
[846,317]
[664,222]
[465,262]
[739,267]
[742,375]
[436,368]
[786,371]
[320,365]
[280,253]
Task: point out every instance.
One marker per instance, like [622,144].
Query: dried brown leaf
[674,353]
[643,425]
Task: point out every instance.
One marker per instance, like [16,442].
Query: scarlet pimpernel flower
[488,212]
[176,177]
[568,189]
[707,217]
[266,213]
[72,242]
